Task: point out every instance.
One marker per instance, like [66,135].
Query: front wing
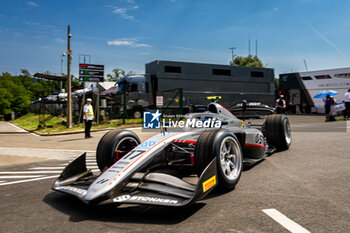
[150,188]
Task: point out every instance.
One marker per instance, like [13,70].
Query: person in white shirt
[347,105]
[88,117]
[280,105]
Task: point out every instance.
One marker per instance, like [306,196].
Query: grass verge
[56,125]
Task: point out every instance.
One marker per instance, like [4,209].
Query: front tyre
[225,146]
[278,132]
[113,146]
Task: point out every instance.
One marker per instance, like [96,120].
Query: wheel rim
[230,158]
[123,147]
[287,131]
[137,115]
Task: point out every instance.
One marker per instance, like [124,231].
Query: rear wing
[250,110]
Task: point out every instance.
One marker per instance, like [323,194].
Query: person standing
[88,117]
[280,105]
[347,105]
[327,106]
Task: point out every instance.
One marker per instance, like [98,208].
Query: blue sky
[129,33]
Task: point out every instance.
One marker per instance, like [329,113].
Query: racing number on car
[259,139]
[133,154]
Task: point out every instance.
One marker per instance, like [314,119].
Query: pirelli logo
[209,183]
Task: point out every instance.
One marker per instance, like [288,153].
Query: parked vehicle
[197,81]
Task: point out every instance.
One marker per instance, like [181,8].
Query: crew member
[280,105]
[88,117]
[347,105]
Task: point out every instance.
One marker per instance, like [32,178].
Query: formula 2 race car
[175,167]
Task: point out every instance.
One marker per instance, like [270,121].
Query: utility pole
[256,48]
[233,53]
[69,81]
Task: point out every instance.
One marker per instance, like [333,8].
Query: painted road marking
[43,149]
[35,179]
[23,181]
[87,164]
[17,177]
[23,130]
[30,172]
[287,223]
[46,168]
[35,172]
[44,172]
[56,168]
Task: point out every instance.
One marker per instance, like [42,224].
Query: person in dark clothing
[280,105]
[327,106]
[347,105]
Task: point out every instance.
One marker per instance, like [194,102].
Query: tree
[277,83]
[116,74]
[14,95]
[247,61]
[5,101]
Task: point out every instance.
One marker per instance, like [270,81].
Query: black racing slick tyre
[278,132]
[113,146]
[225,146]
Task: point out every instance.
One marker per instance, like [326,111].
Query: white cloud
[30,3]
[131,42]
[124,11]
[59,40]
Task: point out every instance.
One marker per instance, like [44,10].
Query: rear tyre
[278,132]
[113,146]
[225,146]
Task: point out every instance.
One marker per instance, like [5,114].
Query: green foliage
[251,61]
[116,74]
[277,83]
[30,122]
[17,92]
[5,101]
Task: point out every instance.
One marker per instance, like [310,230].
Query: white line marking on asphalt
[23,130]
[19,128]
[30,172]
[56,168]
[46,168]
[87,164]
[285,221]
[134,128]
[23,181]
[35,172]
[34,179]
[16,177]
[59,150]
